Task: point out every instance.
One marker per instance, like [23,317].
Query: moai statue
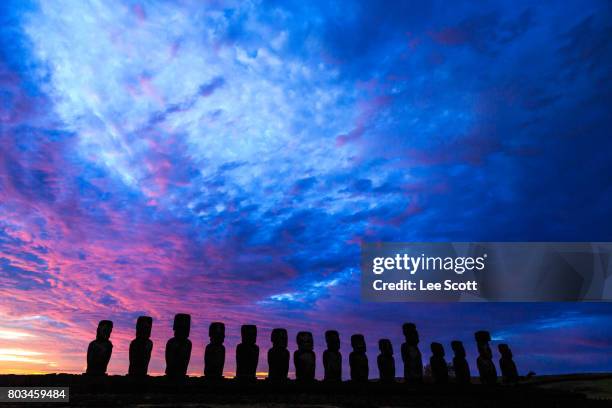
[332,359]
[460,364]
[304,358]
[278,356]
[507,366]
[100,350]
[141,347]
[358,360]
[439,368]
[178,348]
[486,368]
[386,361]
[247,353]
[411,355]
[214,354]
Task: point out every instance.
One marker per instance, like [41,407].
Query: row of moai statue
[178,353]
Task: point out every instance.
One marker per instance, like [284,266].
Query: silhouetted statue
[486,368]
[385,360]
[411,355]
[507,366]
[460,364]
[358,360]
[278,356]
[141,347]
[304,358]
[100,350]
[178,348]
[214,354]
[332,359]
[439,368]
[247,353]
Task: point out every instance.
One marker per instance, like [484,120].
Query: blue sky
[227,158]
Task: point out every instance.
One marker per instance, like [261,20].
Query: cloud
[486,33]
[227,159]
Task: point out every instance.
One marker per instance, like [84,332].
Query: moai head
[182,325]
[305,341]
[458,348]
[248,333]
[279,338]
[105,327]
[385,347]
[358,343]
[482,341]
[143,327]
[437,349]
[410,333]
[332,338]
[505,351]
[216,332]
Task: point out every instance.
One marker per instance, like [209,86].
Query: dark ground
[580,390]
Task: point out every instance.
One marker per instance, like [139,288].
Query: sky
[226,159]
